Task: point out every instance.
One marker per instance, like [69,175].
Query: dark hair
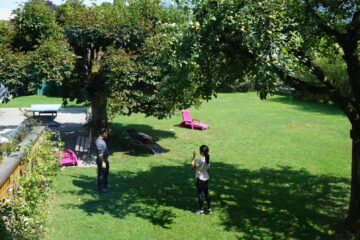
[102,131]
[205,150]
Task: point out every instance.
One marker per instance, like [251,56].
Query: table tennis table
[44,109]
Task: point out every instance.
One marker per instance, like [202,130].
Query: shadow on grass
[268,203]
[303,105]
[119,139]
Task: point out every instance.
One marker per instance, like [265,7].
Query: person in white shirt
[202,178]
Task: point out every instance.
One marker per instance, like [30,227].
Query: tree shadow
[189,128]
[267,203]
[119,140]
[323,108]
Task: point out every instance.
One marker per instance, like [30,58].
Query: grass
[26,101]
[280,170]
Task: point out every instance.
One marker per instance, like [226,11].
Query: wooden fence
[13,165]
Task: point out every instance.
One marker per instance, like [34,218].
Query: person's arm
[103,163]
[193,164]
[101,157]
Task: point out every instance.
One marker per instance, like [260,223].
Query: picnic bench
[83,144]
[44,109]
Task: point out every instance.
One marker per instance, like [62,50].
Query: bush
[24,217]
[237,85]
[7,148]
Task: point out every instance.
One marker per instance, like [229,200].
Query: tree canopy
[33,22]
[120,57]
[311,45]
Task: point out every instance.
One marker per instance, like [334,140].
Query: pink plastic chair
[193,123]
[69,158]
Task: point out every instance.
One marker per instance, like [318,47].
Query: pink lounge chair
[193,123]
[69,158]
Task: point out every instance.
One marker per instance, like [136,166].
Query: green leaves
[24,73]
[265,41]
[13,71]
[33,22]
[5,33]
[52,61]
[25,217]
[153,80]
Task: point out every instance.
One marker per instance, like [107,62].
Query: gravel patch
[69,123]
[11,117]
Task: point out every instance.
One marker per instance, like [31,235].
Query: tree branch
[306,86]
[354,26]
[325,86]
[349,107]
[323,25]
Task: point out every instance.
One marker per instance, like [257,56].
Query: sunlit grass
[280,170]
[26,101]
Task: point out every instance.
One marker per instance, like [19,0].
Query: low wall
[12,166]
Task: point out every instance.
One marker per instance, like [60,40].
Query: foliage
[24,73]
[33,22]
[25,215]
[336,69]
[39,52]
[7,148]
[66,10]
[5,33]
[267,41]
[124,50]
[144,32]
[151,82]
[13,71]
[52,61]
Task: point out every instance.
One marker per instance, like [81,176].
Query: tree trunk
[351,57]
[98,114]
[353,219]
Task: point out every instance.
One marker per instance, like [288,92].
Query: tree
[138,35]
[23,73]
[280,42]
[34,22]
[152,82]
[5,33]
[117,61]
[33,49]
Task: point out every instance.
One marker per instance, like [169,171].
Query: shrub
[7,148]
[24,217]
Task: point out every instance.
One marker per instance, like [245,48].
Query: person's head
[204,151]
[103,133]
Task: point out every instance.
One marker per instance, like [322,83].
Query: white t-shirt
[202,169]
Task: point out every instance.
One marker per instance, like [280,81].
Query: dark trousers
[102,175]
[203,188]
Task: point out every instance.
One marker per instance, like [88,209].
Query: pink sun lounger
[193,123]
[69,158]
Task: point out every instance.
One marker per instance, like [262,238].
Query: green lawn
[280,170]
[26,101]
